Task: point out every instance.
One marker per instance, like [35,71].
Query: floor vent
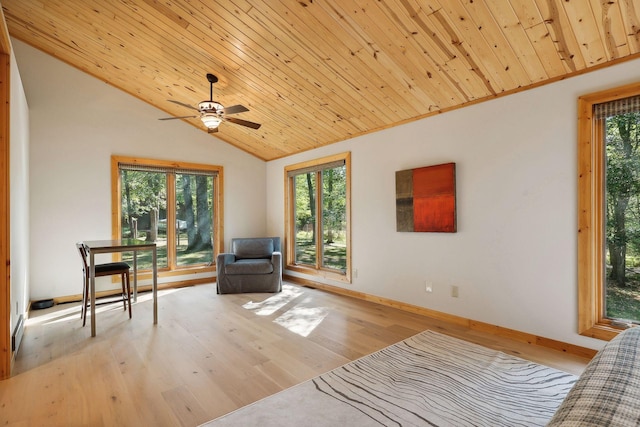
[16,338]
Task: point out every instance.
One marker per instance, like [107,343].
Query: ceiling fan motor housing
[211,107]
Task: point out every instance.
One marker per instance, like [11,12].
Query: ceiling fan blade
[243,122]
[181,117]
[235,109]
[183,104]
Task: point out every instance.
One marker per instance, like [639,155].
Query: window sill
[601,331]
[182,271]
[326,274]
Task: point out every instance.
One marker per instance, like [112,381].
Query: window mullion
[171,220]
[600,215]
[290,227]
[319,229]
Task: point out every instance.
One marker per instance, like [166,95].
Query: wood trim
[287,192]
[181,271]
[5,44]
[6,355]
[319,272]
[318,162]
[289,226]
[457,320]
[591,321]
[532,339]
[165,163]
[142,288]
[5,226]
[218,214]
[116,208]
[318,222]
[172,253]
[349,266]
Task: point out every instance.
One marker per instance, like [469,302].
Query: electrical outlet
[428,286]
[454,291]
[355,273]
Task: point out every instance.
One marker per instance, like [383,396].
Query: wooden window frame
[289,241]
[591,214]
[218,197]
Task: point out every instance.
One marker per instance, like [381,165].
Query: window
[609,211]
[318,216]
[176,205]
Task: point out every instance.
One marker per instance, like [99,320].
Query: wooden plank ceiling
[315,72]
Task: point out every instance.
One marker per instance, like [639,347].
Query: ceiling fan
[212,113]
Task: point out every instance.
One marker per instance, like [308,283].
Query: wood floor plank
[209,354]
[185,406]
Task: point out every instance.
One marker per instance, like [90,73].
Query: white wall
[77,122]
[514,255]
[19,189]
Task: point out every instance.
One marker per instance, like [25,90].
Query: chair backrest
[83,254]
[259,247]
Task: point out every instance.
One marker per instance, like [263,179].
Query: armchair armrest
[221,261]
[276,258]
[225,258]
[276,261]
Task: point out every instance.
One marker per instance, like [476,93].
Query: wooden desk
[124,245]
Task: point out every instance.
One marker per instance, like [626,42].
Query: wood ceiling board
[316,72]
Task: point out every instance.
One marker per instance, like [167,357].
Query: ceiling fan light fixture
[211,120]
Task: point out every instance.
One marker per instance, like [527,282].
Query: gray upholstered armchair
[252,265]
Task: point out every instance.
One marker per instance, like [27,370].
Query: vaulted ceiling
[315,72]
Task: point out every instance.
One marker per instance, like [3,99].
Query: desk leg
[135,276]
[154,263]
[92,275]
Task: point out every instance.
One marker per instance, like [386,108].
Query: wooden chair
[107,269]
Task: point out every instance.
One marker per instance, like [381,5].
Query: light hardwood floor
[208,355]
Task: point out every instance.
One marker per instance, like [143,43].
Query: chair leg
[124,291]
[85,301]
[128,293]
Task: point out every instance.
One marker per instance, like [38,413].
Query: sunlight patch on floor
[275,302]
[301,319]
[64,312]
[54,316]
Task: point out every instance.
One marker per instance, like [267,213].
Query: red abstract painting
[426,199]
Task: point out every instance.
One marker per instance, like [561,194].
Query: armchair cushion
[250,266]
